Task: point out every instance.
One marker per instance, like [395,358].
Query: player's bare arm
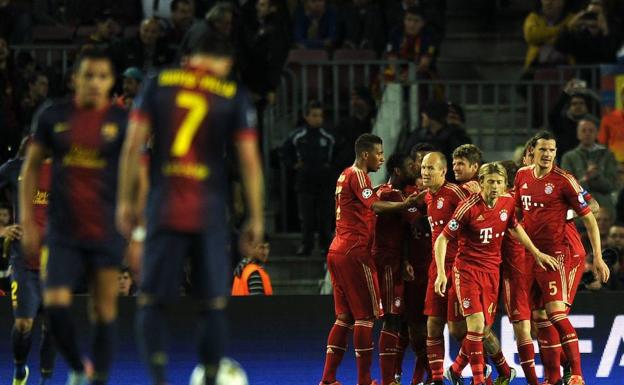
[385,207]
[253,184]
[440,256]
[543,260]
[35,155]
[127,214]
[601,270]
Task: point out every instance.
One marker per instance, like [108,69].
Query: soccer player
[467,159]
[442,199]
[544,193]
[25,283]
[83,136]
[350,264]
[389,256]
[192,113]
[480,223]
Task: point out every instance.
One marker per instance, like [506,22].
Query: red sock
[403,343]
[388,346]
[563,358]
[569,340]
[363,344]
[527,360]
[336,347]
[500,362]
[550,348]
[460,361]
[473,347]
[420,350]
[435,357]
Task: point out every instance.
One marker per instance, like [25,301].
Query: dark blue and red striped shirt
[194,117]
[85,145]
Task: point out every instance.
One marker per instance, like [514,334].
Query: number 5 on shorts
[552,286]
[198,108]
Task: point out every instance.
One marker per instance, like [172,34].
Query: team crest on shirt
[549,188]
[466,303]
[397,302]
[503,215]
[367,193]
[440,203]
[412,209]
[110,131]
[453,225]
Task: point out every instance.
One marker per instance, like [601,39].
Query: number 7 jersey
[193,117]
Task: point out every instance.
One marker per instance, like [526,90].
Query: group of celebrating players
[78,197]
[419,252]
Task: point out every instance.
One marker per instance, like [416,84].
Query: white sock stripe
[387,354]
[567,342]
[389,333]
[364,350]
[526,362]
[344,349]
[365,324]
[550,346]
[343,324]
[431,362]
[523,343]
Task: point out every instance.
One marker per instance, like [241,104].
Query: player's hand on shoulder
[472,186]
[545,261]
[440,284]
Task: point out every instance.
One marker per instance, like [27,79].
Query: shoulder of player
[524,169]
[362,177]
[455,190]
[566,177]
[466,204]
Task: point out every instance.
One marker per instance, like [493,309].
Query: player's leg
[418,341]
[47,352]
[60,265]
[391,289]
[492,347]
[388,346]
[558,316]
[549,346]
[456,324]
[435,348]
[104,294]
[162,267]
[210,269]
[473,346]
[526,351]
[415,293]
[339,333]
[21,338]
[401,347]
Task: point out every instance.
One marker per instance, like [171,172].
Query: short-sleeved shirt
[194,117]
[544,202]
[355,219]
[85,145]
[480,230]
[440,208]
[9,181]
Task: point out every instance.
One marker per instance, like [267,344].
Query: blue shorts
[25,290]
[64,263]
[167,253]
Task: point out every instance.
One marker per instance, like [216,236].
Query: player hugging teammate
[487,226]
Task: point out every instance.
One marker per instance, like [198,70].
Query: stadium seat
[50,33]
[317,75]
[351,73]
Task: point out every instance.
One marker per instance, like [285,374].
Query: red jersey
[480,230]
[389,229]
[354,216]
[515,256]
[419,240]
[440,208]
[544,202]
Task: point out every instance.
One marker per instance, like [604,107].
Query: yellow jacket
[537,32]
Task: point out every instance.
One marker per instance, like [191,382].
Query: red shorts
[445,307]
[477,292]
[356,289]
[554,285]
[391,286]
[517,294]
[414,296]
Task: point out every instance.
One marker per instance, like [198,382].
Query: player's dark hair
[366,142]
[544,135]
[422,147]
[214,44]
[395,160]
[512,168]
[472,153]
[94,54]
[175,3]
[313,105]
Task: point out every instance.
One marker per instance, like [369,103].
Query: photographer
[589,281]
[587,36]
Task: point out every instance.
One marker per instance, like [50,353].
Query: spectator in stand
[587,37]
[360,26]
[615,241]
[104,32]
[573,105]
[349,129]
[434,12]
[315,25]
[541,30]
[132,78]
[456,116]
[35,97]
[219,18]
[308,150]
[411,41]
[15,23]
[250,277]
[182,17]
[146,51]
[126,283]
[605,220]
[434,130]
[619,196]
[592,164]
[612,130]
[264,51]
[9,140]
